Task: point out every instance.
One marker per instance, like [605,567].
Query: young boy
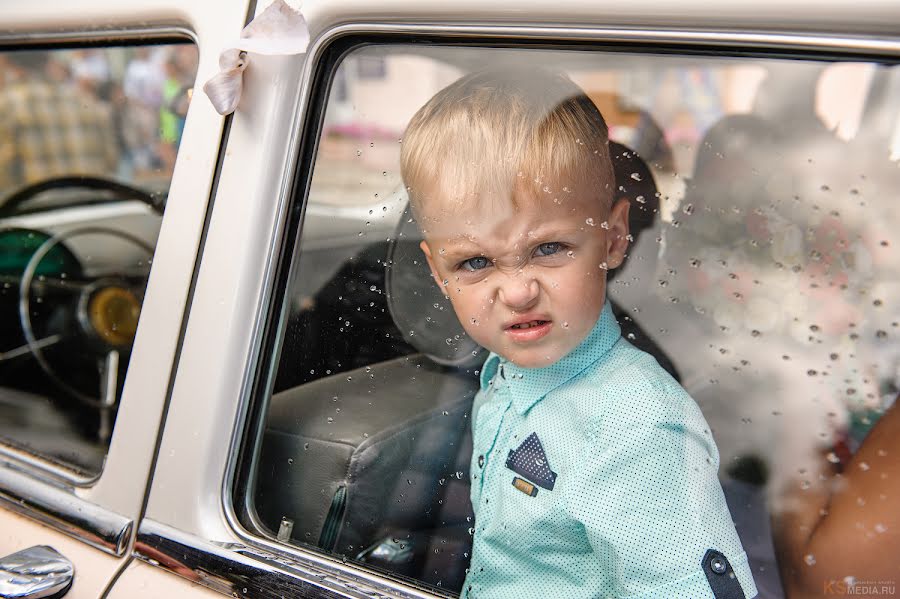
[593,472]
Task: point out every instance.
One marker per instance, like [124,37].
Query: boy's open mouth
[529,324]
[526,331]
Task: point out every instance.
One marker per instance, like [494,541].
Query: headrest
[419,309]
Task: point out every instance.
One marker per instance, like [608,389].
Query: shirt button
[481,461]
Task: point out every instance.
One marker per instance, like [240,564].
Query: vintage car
[225,367]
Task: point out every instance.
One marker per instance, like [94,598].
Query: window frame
[76,503]
[325,56]
[143,37]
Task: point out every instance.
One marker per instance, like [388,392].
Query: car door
[317,442]
[107,168]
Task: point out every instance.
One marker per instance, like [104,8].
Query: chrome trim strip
[120,34]
[729,39]
[243,571]
[691,37]
[61,509]
[26,460]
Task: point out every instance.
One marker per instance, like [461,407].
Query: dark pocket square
[530,461]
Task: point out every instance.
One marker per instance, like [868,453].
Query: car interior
[372,462]
[367,444]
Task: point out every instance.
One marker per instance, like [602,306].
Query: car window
[758,278]
[88,138]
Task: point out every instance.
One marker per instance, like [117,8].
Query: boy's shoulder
[627,388]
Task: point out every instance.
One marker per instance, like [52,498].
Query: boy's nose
[519,292]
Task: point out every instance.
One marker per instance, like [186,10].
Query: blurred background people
[48,129]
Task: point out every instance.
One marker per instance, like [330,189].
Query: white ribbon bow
[278,30]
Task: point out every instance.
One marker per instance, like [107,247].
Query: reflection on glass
[87,147]
[761,275]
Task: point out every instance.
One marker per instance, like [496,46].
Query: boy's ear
[617,237]
[434,273]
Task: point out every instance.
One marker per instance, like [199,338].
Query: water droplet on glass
[832,457]
[695,262]
[689,209]
[641,200]
[604,225]
[589,222]
[636,176]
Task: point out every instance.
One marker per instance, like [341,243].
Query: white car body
[165,485]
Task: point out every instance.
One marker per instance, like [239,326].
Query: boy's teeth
[528,325]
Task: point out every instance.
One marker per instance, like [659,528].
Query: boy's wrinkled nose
[519,292]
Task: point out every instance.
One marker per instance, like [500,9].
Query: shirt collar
[528,385]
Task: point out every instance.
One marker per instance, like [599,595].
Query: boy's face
[527,279]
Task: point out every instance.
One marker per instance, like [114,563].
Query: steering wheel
[106,313]
[123,191]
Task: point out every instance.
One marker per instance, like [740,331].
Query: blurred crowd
[111,112]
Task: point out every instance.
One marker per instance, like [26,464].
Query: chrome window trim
[243,570]
[729,40]
[59,508]
[31,485]
[44,466]
[119,34]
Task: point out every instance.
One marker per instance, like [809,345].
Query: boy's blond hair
[493,132]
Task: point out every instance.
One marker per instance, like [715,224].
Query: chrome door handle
[39,572]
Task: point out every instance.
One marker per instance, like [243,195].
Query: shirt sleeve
[649,497]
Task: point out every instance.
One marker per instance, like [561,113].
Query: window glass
[88,138]
[758,276]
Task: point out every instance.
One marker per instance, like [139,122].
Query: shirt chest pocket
[533,517]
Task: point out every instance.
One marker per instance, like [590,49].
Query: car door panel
[118,491]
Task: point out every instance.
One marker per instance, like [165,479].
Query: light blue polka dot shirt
[597,477]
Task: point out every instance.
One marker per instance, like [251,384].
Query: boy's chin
[531,358]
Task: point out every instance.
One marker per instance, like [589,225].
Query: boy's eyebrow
[461,244]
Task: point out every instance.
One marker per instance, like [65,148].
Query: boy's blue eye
[476,263]
[548,249]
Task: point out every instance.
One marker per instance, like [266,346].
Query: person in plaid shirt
[49,129]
